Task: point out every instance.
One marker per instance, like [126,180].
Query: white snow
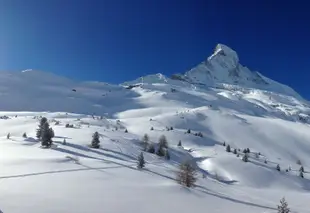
[76,178]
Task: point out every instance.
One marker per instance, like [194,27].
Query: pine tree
[186,174]
[163,142]
[245,151]
[283,207]
[126,130]
[40,127]
[46,136]
[160,151]
[245,157]
[64,142]
[141,161]
[151,148]
[224,144]
[152,128]
[95,141]
[25,135]
[171,128]
[265,161]
[145,140]
[301,169]
[228,148]
[188,131]
[248,150]
[167,155]
[301,174]
[235,151]
[180,143]
[8,136]
[278,167]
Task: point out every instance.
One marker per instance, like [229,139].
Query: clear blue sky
[119,40]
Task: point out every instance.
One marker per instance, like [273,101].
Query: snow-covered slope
[245,110]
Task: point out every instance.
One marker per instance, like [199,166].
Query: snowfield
[271,121]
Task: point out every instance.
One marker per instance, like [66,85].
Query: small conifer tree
[145,140]
[160,151]
[40,127]
[235,151]
[302,169]
[141,161]
[95,141]
[228,148]
[46,136]
[180,143]
[283,207]
[278,167]
[245,157]
[24,135]
[151,148]
[163,141]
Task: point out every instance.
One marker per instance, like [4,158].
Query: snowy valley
[217,104]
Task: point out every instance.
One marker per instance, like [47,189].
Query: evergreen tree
[188,131]
[171,128]
[141,161]
[8,136]
[46,136]
[265,161]
[248,150]
[152,128]
[167,155]
[160,151]
[245,157]
[224,144]
[163,142]
[180,143]
[228,148]
[40,127]
[235,151]
[151,148]
[301,174]
[126,130]
[64,142]
[283,207]
[302,169]
[186,174]
[25,135]
[145,140]
[278,167]
[95,141]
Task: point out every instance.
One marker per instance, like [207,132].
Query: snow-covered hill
[241,108]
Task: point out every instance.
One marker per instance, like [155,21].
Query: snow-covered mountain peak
[224,51]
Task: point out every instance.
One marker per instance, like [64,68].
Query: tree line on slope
[246,156]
